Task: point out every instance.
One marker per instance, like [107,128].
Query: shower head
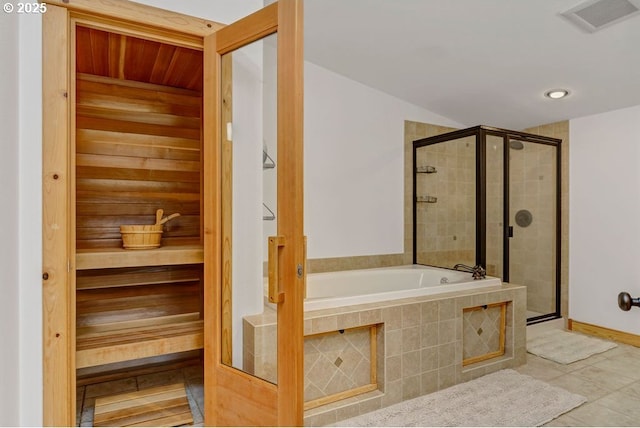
[516,145]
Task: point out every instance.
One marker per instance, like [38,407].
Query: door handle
[625,301]
[510,232]
[275,244]
[304,260]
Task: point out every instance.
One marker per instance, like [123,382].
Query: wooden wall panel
[121,295]
[138,149]
[108,54]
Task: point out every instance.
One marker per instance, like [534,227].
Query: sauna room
[138,310]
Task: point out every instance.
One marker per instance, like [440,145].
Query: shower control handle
[625,301]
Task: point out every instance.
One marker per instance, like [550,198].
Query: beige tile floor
[610,381]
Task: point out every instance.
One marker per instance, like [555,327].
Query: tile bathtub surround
[420,345]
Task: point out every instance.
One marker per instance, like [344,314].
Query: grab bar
[625,301]
[478,272]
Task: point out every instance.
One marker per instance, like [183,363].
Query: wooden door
[233,396]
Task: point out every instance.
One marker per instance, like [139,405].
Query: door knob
[625,301]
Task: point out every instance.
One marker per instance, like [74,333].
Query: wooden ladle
[169,217]
[160,220]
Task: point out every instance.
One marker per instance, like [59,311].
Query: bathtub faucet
[478,272]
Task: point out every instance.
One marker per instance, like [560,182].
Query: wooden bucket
[144,236]
[141,236]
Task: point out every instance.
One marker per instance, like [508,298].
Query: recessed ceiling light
[556,94]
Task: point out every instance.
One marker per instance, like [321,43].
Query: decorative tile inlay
[483,332]
[336,362]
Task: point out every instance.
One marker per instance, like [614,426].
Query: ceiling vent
[595,15]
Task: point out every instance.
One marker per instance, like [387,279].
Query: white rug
[504,398]
[564,347]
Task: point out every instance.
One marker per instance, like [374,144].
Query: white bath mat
[564,347]
[504,398]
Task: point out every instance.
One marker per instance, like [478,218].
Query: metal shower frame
[481,132]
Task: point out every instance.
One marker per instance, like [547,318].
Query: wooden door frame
[234,397]
[58,258]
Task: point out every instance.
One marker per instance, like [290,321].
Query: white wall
[9,272]
[223,11]
[604,218]
[30,220]
[354,165]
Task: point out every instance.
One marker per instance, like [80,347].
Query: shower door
[532,226]
[522,217]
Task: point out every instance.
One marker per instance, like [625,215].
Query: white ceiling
[478,62]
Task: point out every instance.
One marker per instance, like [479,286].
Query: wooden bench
[107,344]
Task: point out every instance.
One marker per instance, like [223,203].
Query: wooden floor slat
[125,396]
[169,421]
[160,406]
[139,408]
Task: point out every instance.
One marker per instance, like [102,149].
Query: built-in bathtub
[347,288]
[375,337]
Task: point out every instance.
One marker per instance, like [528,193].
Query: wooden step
[160,406]
[107,346]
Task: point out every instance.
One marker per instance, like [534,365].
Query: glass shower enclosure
[491,197]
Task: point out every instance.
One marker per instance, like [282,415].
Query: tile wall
[447,221]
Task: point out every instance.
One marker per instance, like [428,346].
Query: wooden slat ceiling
[131,58]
